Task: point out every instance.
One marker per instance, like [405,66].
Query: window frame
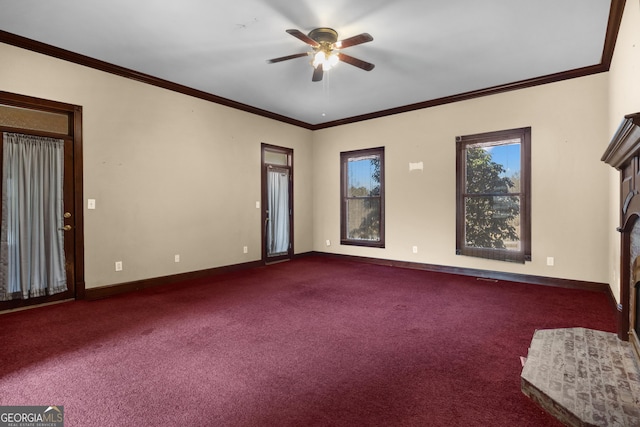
[344,182]
[462,142]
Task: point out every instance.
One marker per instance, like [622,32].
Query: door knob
[65,228]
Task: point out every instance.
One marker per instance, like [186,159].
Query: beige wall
[624,96]
[569,123]
[171,174]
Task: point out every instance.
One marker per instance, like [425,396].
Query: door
[277,203]
[38,118]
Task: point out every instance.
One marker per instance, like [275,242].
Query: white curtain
[32,259]
[278,225]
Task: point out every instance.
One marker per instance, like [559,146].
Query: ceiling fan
[326,50]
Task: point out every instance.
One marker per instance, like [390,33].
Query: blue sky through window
[507,155]
[360,173]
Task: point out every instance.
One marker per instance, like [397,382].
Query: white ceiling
[422,49]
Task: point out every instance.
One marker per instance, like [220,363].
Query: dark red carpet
[311,342]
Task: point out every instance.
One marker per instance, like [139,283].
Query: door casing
[264,163]
[73,191]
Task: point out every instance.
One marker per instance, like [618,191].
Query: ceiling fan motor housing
[324,35]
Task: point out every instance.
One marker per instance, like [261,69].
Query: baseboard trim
[111,290]
[482,274]
[121,288]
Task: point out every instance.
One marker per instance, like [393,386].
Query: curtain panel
[278,226]
[32,260]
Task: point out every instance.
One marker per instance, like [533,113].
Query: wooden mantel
[623,153]
[625,143]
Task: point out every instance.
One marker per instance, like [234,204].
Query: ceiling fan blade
[352,41]
[367,66]
[317,73]
[285,58]
[302,36]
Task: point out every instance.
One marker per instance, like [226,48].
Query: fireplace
[623,153]
[636,314]
[634,297]
[636,310]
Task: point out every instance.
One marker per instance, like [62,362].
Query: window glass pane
[492,222]
[24,118]
[493,168]
[276,158]
[364,176]
[363,219]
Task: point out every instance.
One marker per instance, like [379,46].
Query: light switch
[91,203]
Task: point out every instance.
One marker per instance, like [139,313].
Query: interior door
[277,202]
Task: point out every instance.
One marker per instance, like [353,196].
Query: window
[493,195]
[362,193]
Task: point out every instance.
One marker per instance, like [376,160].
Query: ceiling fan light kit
[326,50]
[324,59]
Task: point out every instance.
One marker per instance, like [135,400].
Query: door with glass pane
[40,216]
[277,203]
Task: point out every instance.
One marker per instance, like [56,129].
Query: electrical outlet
[118,265]
[328,242]
[550,261]
[415,249]
[176,257]
[245,249]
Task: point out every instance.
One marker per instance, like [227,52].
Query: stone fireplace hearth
[583,377]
